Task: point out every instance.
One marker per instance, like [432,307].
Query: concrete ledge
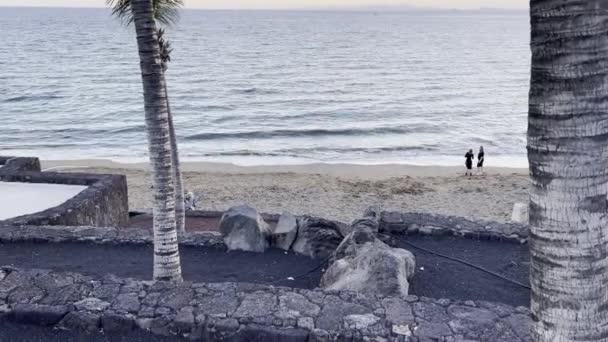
[247,312]
[432,224]
[103,203]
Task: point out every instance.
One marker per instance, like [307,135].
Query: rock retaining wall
[100,235]
[432,224]
[103,203]
[18,164]
[247,312]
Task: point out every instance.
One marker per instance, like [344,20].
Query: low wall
[432,224]
[246,312]
[103,203]
[18,164]
[111,235]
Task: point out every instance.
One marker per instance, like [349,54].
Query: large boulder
[317,238]
[364,264]
[244,229]
[285,232]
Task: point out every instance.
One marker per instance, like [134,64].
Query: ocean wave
[316,132]
[25,98]
[256,91]
[317,151]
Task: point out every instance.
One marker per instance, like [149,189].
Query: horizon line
[337,8]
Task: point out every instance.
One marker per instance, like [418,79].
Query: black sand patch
[135,261]
[443,278]
[439,278]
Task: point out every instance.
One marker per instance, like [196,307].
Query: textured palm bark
[166,251]
[568,155]
[180,206]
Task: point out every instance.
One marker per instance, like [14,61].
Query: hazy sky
[291,4]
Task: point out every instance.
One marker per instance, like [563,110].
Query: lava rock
[317,238]
[244,229]
[365,264]
[285,232]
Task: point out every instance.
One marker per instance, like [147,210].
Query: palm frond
[122,10]
[165,49]
[165,11]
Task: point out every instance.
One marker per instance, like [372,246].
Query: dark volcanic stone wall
[247,312]
[18,164]
[433,224]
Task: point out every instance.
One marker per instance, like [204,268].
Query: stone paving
[238,311]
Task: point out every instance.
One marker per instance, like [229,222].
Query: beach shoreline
[335,191]
[375,171]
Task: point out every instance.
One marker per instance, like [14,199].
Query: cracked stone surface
[230,311]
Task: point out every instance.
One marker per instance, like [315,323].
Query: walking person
[480,160]
[469,163]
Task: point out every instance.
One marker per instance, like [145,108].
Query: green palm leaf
[165,11]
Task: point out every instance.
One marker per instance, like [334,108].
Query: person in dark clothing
[480,160]
[469,163]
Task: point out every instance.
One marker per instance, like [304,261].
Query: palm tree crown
[166,12]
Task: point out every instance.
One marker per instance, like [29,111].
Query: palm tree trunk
[568,155]
[166,250]
[180,206]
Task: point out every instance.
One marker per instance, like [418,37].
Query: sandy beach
[336,191]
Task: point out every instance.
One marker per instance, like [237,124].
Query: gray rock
[521,325]
[285,232]
[177,298]
[244,229]
[502,310]
[256,305]
[317,238]
[293,305]
[367,265]
[430,312]
[398,311]
[161,325]
[221,303]
[432,331]
[469,319]
[26,293]
[44,315]
[106,292]
[70,293]
[334,309]
[496,332]
[128,302]
[306,323]
[114,323]
[91,304]
[359,322]
[184,320]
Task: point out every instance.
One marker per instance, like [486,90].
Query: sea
[272,87]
